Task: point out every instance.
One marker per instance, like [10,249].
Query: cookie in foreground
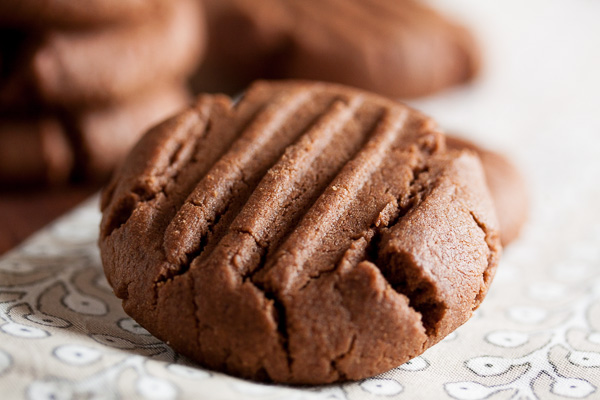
[309,233]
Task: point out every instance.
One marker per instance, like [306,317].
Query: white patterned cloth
[63,334]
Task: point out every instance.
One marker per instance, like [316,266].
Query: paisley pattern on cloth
[64,335]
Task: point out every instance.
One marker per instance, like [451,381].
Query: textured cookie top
[309,233]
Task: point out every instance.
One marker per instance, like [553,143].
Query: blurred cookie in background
[34,150]
[396,48]
[76,14]
[100,85]
[75,68]
[506,184]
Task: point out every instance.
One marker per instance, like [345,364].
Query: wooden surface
[23,212]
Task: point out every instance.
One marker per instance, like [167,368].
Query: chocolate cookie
[507,187]
[34,150]
[87,145]
[75,68]
[69,14]
[310,233]
[396,48]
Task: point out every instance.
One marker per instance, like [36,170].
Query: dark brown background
[22,212]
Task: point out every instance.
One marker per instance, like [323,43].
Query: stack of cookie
[80,83]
